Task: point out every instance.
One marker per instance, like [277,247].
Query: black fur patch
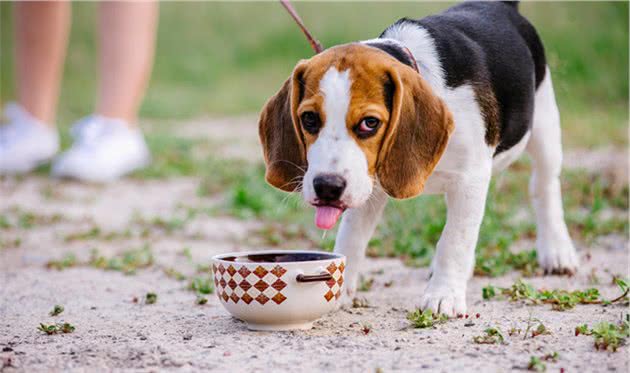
[393,50]
[490,46]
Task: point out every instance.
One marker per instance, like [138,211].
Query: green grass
[410,229]
[226,58]
[207,63]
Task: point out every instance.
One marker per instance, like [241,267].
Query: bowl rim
[334,256]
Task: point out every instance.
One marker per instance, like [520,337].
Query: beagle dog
[433,106]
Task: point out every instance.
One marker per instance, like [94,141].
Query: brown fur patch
[405,149]
[283,149]
[487,101]
[417,136]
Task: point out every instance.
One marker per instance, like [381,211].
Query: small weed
[425,319]
[28,220]
[608,336]
[540,329]
[506,261]
[91,234]
[186,253]
[57,310]
[201,300]
[150,298]
[514,331]
[491,336]
[67,261]
[173,273]
[127,262]
[553,357]
[536,365]
[202,285]
[365,284]
[10,243]
[4,222]
[560,300]
[56,328]
[360,302]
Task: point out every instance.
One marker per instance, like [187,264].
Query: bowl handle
[324,276]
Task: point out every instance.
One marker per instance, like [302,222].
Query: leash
[315,44]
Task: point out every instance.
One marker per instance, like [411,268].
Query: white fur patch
[422,46]
[463,174]
[335,151]
[553,243]
[502,160]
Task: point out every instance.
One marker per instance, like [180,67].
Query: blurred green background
[220,58]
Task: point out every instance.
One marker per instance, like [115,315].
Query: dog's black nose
[329,187]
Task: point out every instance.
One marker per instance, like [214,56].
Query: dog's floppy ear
[418,132]
[283,146]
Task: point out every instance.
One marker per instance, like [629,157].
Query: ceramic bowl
[279,290]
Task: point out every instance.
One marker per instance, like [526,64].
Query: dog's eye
[367,127]
[310,121]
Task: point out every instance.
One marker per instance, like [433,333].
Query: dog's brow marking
[335,86]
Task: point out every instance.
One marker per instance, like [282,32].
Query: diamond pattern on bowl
[235,283]
[332,267]
[243,271]
[245,285]
[278,298]
[247,298]
[261,285]
[336,282]
[231,270]
[260,271]
[262,299]
[232,284]
[235,298]
[278,271]
[279,285]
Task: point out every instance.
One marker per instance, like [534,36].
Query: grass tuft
[425,319]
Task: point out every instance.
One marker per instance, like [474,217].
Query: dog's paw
[444,299]
[558,257]
[346,299]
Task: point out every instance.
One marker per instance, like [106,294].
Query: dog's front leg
[357,227]
[454,259]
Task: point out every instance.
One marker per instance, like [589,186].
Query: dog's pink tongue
[326,216]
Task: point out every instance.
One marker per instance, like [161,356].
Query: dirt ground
[115,333]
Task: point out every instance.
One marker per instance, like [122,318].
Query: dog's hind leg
[357,227]
[555,250]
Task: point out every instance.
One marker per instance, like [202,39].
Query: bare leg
[41,38]
[127,42]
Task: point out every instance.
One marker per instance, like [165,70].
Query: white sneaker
[25,141]
[104,149]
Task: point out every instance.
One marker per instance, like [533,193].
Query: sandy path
[114,333]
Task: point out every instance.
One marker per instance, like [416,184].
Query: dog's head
[346,119]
